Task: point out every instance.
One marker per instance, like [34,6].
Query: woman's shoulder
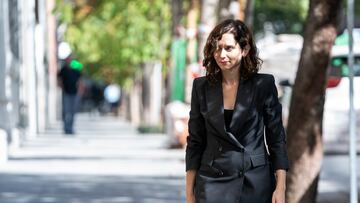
[263,78]
[200,81]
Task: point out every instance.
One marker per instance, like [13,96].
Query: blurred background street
[95,95]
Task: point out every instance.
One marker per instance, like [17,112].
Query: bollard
[3,147]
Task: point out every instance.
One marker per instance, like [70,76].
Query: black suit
[234,166]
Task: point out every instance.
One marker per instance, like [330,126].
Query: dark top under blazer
[235,167]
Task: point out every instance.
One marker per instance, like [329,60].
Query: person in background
[112,95]
[69,81]
[227,159]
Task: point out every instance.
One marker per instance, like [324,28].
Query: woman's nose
[222,53]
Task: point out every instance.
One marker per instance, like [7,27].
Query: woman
[234,111]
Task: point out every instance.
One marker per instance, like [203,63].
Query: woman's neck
[230,77]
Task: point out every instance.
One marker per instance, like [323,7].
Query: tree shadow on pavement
[333,197]
[20,188]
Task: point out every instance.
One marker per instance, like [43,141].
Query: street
[108,161]
[334,183]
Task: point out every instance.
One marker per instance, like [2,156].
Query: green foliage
[286,16]
[66,11]
[113,38]
[356,8]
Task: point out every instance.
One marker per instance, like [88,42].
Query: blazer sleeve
[196,139]
[274,130]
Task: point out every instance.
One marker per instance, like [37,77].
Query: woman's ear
[245,50]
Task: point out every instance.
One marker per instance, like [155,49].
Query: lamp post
[352,114]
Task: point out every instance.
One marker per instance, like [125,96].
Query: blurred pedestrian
[69,81]
[232,107]
[112,94]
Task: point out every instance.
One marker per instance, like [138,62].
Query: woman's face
[228,53]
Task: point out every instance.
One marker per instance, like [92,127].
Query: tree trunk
[207,22]
[223,10]
[191,49]
[304,130]
[177,13]
[242,7]
[249,14]
[192,19]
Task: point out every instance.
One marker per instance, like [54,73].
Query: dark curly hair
[249,65]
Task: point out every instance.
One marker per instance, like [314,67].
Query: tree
[208,20]
[304,131]
[177,13]
[112,38]
[286,16]
[249,14]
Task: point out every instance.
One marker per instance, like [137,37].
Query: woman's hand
[190,180]
[278,196]
[279,193]
[190,198]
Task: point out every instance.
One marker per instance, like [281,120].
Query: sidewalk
[334,185]
[107,161]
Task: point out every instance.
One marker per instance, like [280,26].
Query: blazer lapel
[214,99]
[215,106]
[244,99]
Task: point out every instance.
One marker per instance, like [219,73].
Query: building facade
[27,68]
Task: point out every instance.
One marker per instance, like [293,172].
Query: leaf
[117,35]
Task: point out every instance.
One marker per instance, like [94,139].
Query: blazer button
[241,173]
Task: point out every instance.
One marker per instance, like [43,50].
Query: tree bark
[223,10]
[191,49]
[242,7]
[192,19]
[305,147]
[249,14]
[177,13]
[208,21]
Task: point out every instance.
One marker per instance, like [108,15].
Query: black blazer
[235,166]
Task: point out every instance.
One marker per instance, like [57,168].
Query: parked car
[336,108]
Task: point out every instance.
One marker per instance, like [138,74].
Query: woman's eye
[228,48]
